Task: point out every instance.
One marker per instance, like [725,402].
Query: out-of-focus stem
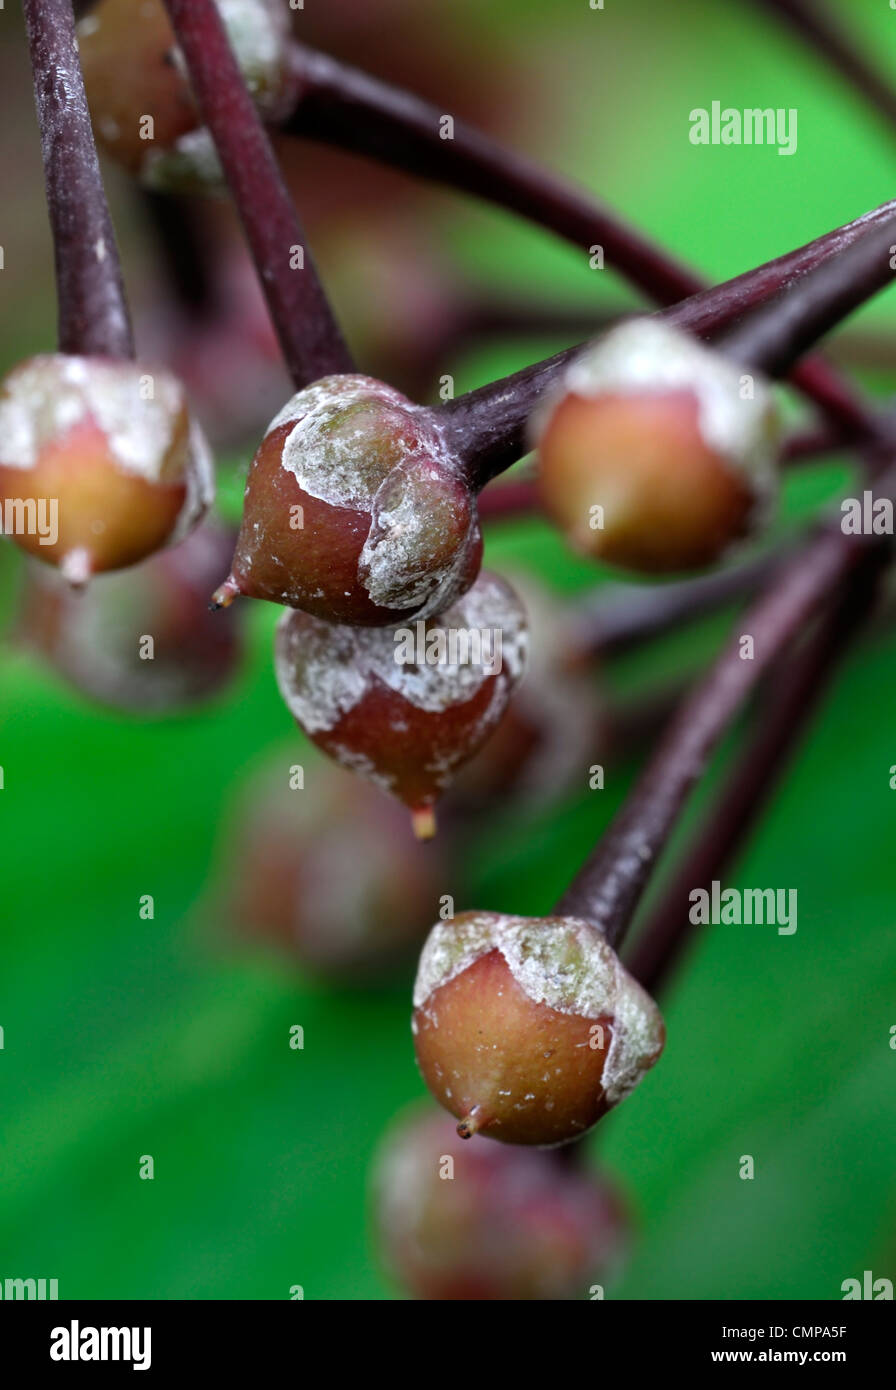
[607,889]
[817,27]
[782,718]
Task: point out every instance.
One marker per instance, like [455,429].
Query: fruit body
[553,727]
[402,706]
[328,873]
[142,108]
[142,639]
[484,1222]
[100,464]
[657,453]
[354,511]
[529,1029]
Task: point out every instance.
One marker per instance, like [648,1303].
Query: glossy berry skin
[133,70]
[650,457]
[98,640]
[364,696]
[529,1029]
[328,873]
[106,449]
[486,1222]
[354,511]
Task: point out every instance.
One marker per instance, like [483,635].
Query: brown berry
[657,453]
[485,1222]
[354,510]
[406,707]
[141,104]
[328,872]
[142,639]
[551,728]
[100,464]
[529,1029]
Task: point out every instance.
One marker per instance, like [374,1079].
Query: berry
[133,70]
[552,727]
[529,1029]
[483,1222]
[650,456]
[98,640]
[100,464]
[354,510]
[381,702]
[329,873]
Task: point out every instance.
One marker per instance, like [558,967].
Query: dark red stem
[488,428]
[788,708]
[309,335]
[773,336]
[622,615]
[610,883]
[93,311]
[345,107]
[816,26]
[509,500]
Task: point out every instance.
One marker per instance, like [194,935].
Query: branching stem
[488,428]
[784,716]
[609,885]
[343,106]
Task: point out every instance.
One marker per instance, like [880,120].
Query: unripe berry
[403,707]
[134,74]
[483,1222]
[354,510]
[100,464]
[142,639]
[328,873]
[529,1029]
[657,453]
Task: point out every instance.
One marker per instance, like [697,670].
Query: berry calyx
[529,1029]
[406,707]
[657,453]
[485,1222]
[354,510]
[142,108]
[100,463]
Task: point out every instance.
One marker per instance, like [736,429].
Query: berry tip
[423,822]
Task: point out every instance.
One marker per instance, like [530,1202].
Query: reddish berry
[403,707]
[354,511]
[100,464]
[657,453]
[142,639]
[142,108]
[329,872]
[529,1029]
[548,737]
[483,1222]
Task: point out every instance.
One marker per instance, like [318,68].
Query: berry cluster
[657,451]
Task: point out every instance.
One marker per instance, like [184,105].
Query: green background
[126,1037]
